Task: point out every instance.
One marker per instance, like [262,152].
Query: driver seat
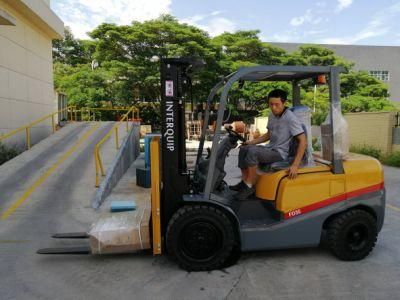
[285,164]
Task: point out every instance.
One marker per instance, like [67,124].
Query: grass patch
[367,150]
[7,153]
[392,159]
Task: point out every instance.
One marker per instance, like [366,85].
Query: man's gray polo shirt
[282,129]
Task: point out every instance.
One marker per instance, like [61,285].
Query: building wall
[261,124]
[26,68]
[372,128]
[366,58]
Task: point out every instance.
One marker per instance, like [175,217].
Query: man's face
[276,105]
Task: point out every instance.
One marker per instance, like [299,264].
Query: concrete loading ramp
[64,159]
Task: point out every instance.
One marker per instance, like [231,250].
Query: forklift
[197,220]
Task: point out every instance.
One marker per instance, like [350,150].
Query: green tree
[243,49]
[140,43]
[363,84]
[71,51]
[120,66]
[313,55]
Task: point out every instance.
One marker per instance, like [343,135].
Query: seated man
[282,126]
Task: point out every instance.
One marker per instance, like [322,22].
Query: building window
[381,75]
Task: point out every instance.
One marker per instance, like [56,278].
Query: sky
[361,22]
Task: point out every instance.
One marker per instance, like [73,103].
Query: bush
[316,144]
[367,150]
[318,118]
[392,159]
[7,153]
[151,115]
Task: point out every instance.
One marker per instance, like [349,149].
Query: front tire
[200,237]
[352,235]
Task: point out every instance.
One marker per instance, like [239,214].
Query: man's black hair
[278,93]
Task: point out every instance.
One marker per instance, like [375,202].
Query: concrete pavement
[283,274]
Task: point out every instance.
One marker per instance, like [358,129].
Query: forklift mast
[175,85]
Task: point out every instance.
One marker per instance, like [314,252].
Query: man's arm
[292,172]
[265,137]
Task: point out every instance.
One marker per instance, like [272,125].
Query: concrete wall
[26,68]
[372,128]
[366,58]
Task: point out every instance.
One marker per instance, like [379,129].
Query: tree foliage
[71,51]
[120,66]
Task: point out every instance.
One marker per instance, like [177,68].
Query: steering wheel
[234,134]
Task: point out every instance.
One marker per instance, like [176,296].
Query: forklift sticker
[169,88]
[169,122]
[294,213]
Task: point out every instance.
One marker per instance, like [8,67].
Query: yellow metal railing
[90,112]
[70,110]
[97,157]
[71,113]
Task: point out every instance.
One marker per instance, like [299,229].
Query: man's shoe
[245,193]
[237,187]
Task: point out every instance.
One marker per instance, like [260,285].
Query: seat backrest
[294,144]
[303,113]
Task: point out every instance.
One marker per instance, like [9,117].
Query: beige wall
[26,73]
[261,124]
[371,128]
[396,148]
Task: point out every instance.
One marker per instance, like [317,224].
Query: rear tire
[200,238]
[352,235]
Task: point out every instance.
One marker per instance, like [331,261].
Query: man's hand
[292,171]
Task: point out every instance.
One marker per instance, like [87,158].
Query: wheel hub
[357,236]
[201,240]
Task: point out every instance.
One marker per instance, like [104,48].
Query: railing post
[100,162]
[53,123]
[116,137]
[28,138]
[70,114]
[127,124]
[101,165]
[96,162]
